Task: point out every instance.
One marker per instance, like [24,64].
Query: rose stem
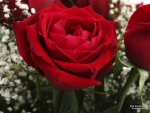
[57,97]
[131,79]
[39,93]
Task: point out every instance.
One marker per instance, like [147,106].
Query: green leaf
[123,62]
[133,77]
[143,77]
[69,103]
[112,110]
[47,89]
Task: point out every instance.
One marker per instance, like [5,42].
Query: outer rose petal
[35,45]
[137,37]
[40,4]
[137,42]
[62,80]
[144,15]
[22,43]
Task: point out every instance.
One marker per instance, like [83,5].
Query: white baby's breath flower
[14,97]
[18,81]
[6,15]
[18,3]
[9,109]
[6,31]
[3,81]
[26,13]
[5,38]
[6,95]
[1,0]
[24,6]
[21,100]
[6,9]
[33,10]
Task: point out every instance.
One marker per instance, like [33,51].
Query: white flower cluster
[13,73]
[24,7]
[6,11]
[26,11]
[122,10]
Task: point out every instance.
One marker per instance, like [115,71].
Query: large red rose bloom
[69,46]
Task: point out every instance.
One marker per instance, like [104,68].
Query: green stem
[39,93]
[57,97]
[131,79]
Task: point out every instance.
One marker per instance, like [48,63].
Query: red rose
[17,15]
[70,47]
[99,6]
[137,38]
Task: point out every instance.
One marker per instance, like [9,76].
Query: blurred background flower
[99,6]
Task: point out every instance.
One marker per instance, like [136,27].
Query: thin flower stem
[131,79]
[39,94]
[57,98]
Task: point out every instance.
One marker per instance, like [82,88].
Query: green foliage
[112,110]
[69,103]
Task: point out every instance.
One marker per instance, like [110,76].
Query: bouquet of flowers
[74,56]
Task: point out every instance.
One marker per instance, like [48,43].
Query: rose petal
[71,24]
[137,41]
[57,28]
[22,42]
[93,44]
[74,41]
[35,45]
[48,20]
[59,40]
[105,68]
[90,10]
[62,80]
[76,54]
[105,43]
[144,15]
[75,11]
[55,51]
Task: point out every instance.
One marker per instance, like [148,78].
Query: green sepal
[69,103]
[114,109]
[123,62]
[143,77]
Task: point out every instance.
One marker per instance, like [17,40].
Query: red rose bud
[99,6]
[12,10]
[69,46]
[137,38]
